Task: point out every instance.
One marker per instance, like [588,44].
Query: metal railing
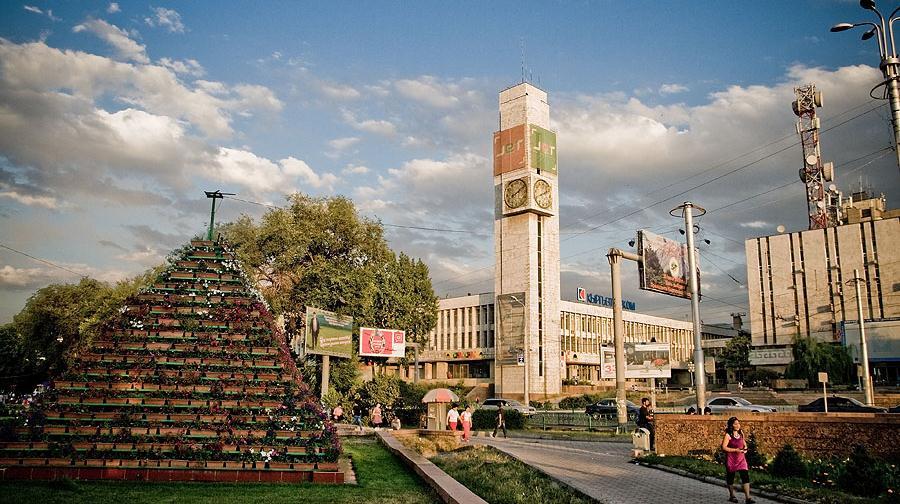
[574,420]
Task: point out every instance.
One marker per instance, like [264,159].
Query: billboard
[509,149]
[664,268]
[642,360]
[382,342]
[543,149]
[328,333]
[511,308]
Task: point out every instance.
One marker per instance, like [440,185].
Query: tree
[737,352]
[811,357]
[320,252]
[58,322]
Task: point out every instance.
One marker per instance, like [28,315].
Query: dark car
[607,407]
[895,409]
[837,404]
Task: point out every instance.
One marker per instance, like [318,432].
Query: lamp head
[841,27]
[869,34]
[867,4]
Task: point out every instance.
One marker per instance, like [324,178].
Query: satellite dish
[811,159]
[832,188]
[820,204]
[780,228]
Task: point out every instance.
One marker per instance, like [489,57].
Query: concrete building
[492,338]
[800,285]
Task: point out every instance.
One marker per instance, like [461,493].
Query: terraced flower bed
[191,382]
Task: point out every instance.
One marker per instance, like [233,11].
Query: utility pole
[687,209]
[614,256]
[214,195]
[863,349]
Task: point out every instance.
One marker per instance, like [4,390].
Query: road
[603,471]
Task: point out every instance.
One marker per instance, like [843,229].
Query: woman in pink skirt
[736,462]
[466,418]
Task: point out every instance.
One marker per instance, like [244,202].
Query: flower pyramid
[192,382]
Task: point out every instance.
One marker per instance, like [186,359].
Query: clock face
[516,193]
[543,194]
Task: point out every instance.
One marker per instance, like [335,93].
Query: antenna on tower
[822,200]
[522,50]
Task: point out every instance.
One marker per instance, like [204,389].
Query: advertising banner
[543,149]
[664,268]
[511,309]
[381,342]
[509,149]
[328,333]
[642,360]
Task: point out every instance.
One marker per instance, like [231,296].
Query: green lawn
[381,477]
[501,479]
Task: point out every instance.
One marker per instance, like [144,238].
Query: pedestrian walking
[645,421]
[376,416]
[501,422]
[466,419]
[736,460]
[357,415]
[453,417]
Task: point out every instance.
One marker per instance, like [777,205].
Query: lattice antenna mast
[822,198]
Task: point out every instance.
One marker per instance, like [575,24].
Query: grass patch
[794,487]
[501,479]
[380,475]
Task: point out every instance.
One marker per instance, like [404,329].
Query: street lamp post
[890,64]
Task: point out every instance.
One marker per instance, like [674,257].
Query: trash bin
[641,439]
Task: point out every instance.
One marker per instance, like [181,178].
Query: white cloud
[127,48]
[355,170]
[187,67]
[672,89]
[339,91]
[757,224]
[428,91]
[31,200]
[113,8]
[37,10]
[340,144]
[377,126]
[261,175]
[165,18]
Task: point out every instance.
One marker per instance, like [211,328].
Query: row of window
[587,333]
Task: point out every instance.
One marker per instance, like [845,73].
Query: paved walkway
[602,470]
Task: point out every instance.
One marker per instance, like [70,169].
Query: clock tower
[526,246]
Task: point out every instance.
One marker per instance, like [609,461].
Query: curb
[448,489]
[718,482]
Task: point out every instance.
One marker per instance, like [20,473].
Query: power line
[41,260]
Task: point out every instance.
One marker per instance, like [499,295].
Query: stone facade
[814,435]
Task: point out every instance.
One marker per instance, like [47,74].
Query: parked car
[838,404]
[494,403]
[607,407]
[728,404]
[895,409]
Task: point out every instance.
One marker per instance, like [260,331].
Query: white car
[736,404]
[508,404]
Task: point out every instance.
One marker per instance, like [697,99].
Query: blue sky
[115,117]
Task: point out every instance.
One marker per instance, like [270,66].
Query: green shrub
[755,459]
[788,464]
[864,474]
[486,419]
[579,402]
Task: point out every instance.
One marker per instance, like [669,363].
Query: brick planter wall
[815,435]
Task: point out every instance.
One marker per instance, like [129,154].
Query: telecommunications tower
[823,201]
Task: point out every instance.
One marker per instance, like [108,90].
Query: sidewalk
[602,471]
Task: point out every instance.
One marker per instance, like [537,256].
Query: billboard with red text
[375,342]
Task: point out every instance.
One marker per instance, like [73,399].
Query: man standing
[645,421]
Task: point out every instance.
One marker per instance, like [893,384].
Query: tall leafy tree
[57,322]
[736,354]
[812,356]
[320,252]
